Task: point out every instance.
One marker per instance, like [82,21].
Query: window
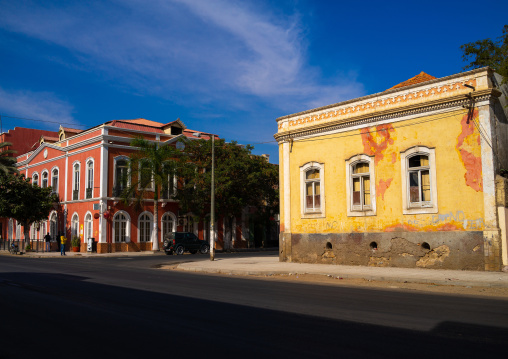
[75,226]
[44,181]
[121,173]
[168,223]
[53,230]
[54,180]
[75,191]
[419,180]
[88,226]
[360,186]
[120,227]
[312,186]
[145,176]
[145,227]
[89,179]
[35,179]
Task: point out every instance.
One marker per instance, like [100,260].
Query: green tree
[7,162]
[488,53]
[24,202]
[241,180]
[149,169]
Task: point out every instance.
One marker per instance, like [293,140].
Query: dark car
[179,242]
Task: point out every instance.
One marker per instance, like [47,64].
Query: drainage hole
[426,246]
[373,245]
[328,245]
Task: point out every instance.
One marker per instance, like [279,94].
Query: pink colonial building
[84,168]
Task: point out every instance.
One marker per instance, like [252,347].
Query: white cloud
[44,107]
[219,50]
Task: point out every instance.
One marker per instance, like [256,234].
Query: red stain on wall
[394,157]
[473,164]
[376,140]
[446,227]
[382,187]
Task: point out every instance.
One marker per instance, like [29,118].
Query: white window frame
[127,227]
[425,207]
[150,226]
[115,165]
[308,213]
[88,224]
[354,211]
[44,172]
[76,179]
[172,216]
[75,225]
[35,182]
[90,164]
[55,188]
[151,186]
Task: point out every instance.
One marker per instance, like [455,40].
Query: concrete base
[437,250]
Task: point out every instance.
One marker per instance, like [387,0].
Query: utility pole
[212,207]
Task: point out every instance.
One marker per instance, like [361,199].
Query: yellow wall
[458,170]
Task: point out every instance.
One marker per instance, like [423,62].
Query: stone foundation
[437,250]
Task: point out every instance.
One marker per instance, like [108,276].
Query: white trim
[371,211]
[38,177]
[150,226]
[58,177]
[75,215]
[173,218]
[127,227]
[74,179]
[303,206]
[87,235]
[287,187]
[115,160]
[42,174]
[87,162]
[431,207]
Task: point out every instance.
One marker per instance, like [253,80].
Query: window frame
[127,227]
[90,168]
[165,221]
[53,177]
[115,174]
[354,210]
[76,179]
[88,226]
[312,213]
[44,173]
[421,207]
[150,226]
[35,179]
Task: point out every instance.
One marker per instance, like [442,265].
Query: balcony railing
[89,192]
[75,195]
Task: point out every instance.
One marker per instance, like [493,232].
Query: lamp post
[212,206]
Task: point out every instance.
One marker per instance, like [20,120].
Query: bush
[75,241]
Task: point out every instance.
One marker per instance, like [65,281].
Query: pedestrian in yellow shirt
[63,240]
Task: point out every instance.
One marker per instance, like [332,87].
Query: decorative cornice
[449,102]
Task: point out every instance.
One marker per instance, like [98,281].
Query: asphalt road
[128,308]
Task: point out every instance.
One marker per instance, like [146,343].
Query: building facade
[408,177]
[85,168]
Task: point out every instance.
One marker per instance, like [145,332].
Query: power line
[34,120]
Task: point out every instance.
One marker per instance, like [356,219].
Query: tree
[7,162]
[24,202]
[488,53]
[149,170]
[241,180]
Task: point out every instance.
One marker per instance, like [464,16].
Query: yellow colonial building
[408,177]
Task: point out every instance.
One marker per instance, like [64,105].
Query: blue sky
[226,67]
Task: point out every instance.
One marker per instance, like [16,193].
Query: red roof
[135,127]
[421,77]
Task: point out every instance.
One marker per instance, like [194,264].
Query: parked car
[179,242]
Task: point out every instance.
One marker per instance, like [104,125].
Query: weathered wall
[440,250]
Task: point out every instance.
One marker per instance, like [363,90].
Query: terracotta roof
[71,130]
[136,127]
[50,138]
[421,77]
[144,122]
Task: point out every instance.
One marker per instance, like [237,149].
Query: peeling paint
[434,257]
[470,152]
[376,140]
[382,187]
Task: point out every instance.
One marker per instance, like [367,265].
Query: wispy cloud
[44,107]
[220,50]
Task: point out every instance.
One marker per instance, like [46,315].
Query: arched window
[312,190]
[35,179]
[75,225]
[121,173]
[419,180]
[145,227]
[89,179]
[45,178]
[75,179]
[360,186]
[120,227]
[88,226]
[53,229]
[188,225]
[54,180]
[168,224]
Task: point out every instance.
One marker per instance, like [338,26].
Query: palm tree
[149,171]
[7,162]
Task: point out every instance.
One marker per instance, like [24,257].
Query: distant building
[25,139]
[406,177]
[85,167]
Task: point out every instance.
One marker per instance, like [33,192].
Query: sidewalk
[269,265]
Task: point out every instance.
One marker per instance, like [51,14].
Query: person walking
[47,237]
[63,240]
